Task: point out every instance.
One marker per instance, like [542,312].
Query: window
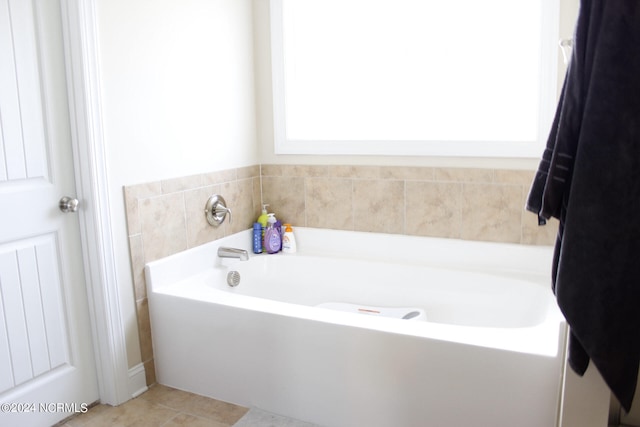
[413,77]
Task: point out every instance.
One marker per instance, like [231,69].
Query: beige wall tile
[328,203]
[533,234]
[144,328]
[257,197]
[150,372]
[131,195]
[505,176]
[357,172]
[218,177]
[408,173]
[239,201]
[434,209]
[492,212]
[199,231]
[248,172]
[136,252]
[239,197]
[271,170]
[132,213]
[463,175]
[304,171]
[163,225]
[181,184]
[378,206]
[285,196]
[143,191]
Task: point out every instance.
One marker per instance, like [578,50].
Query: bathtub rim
[359,245]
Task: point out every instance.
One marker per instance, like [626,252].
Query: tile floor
[161,406]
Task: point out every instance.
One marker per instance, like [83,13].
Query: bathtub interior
[447,296]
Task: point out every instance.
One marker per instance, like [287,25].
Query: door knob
[68,204]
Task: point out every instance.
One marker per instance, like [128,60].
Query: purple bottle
[278,226]
[272,239]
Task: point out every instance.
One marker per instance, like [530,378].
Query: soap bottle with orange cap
[288,240]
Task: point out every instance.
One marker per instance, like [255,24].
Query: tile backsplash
[470,204]
[167,216]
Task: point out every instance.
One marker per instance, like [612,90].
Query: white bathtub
[490,352]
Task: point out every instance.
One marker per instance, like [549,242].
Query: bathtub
[320,336]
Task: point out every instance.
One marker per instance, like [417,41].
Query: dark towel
[589,178]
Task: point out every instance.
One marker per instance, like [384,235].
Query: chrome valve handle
[216,210]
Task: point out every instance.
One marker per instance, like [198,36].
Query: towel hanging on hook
[588,179]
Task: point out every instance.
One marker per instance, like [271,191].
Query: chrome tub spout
[224,252]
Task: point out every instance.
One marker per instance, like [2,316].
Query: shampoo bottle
[272,240]
[257,238]
[289,240]
[262,220]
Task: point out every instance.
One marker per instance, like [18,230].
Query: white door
[47,368]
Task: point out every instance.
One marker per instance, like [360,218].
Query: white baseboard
[137,380]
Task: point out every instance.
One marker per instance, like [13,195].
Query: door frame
[89,159]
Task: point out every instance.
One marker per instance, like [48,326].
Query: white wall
[178,99]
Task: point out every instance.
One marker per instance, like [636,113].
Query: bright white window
[413,77]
